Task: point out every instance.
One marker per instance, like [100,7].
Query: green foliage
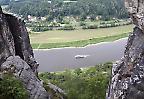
[53,93]
[40,28]
[82,23]
[108,24]
[12,88]
[90,27]
[67,27]
[57,9]
[86,83]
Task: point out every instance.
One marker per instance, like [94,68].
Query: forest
[57,9]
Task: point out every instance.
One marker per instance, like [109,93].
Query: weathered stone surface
[21,41]
[17,66]
[16,55]
[6,39]
[14,40]
[136,11]
[128,74]
[17,58]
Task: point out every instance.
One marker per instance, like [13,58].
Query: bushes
[90,27]
[82,24]
[86,83]
[108,24]
[67,27]
[11,88]
[45,26]
[38,26]
[40,29]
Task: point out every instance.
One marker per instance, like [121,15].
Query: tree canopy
[60,8]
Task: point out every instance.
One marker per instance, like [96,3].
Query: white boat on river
[81,56]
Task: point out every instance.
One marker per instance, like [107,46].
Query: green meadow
[77,38]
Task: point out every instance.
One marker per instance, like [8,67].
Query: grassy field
[80,43]
[76,38]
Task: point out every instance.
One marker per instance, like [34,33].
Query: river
[59,59]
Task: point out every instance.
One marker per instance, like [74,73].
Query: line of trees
[57,9]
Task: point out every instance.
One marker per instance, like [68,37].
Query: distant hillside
[60,8]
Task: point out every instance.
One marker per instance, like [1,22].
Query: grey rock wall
[16,55]
[20,69]
[127,80]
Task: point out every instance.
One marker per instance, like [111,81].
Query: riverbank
[80,43]
[89,45]
[60,59]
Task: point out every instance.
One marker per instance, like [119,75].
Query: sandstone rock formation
[16,55]
[128,74]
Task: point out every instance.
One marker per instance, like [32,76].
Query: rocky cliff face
[128,74]
[16,55]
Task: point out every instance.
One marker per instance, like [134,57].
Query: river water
[59,59]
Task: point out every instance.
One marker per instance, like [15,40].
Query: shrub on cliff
[11,88]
